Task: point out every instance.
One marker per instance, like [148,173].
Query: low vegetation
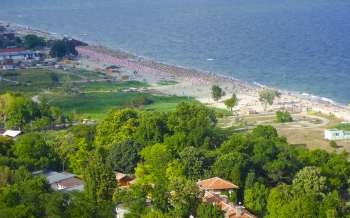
[343,126]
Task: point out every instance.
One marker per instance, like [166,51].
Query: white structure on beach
[336,134]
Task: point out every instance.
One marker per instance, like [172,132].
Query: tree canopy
[217,92]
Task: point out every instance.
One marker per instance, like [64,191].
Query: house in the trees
[216,184]
[124,180]
[212,188]
[63,181]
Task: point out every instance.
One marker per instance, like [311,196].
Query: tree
[6,144]
[255,198]
[267,96]
[62,48]
[34,42]
[100,182]
[283,117]
[217,92]
[124,156]
[191,124]
[209,211]
[17,110]
[231,102]
[118,126]
[279,196]
[153,173]
[184,197]
[33,152]
[309,180]
[192,161]
[232,166]
[152,128]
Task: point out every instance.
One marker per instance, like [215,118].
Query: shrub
[283,117]
[141,101]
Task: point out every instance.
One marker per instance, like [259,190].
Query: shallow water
[292,44]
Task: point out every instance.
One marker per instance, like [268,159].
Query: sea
[297,45]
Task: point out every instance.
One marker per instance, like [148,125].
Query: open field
[33,80]
[109,86]
[306,128]
[96,105]
[86,93]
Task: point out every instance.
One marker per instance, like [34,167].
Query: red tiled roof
[3,50]
[216,183]
[223,203]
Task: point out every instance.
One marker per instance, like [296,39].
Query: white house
[336,134]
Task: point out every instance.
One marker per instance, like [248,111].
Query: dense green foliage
[169,152]
[62,48]
[19,112]
[34,42]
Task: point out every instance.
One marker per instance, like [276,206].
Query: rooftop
[9,50]
[216,183]
[231,210]
[54,177]
[70,182]
[12,133]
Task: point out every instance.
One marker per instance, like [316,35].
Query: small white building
[12,133]
[336,134]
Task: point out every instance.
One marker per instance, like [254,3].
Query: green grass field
[90,99]
[97,105]
[167,82]
[110,86]
[32,81]
[343,126]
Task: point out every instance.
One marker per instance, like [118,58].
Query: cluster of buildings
[12,54]
[12,57]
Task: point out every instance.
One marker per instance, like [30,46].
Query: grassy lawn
[97,105]
[343,126]
[96,98]
[110,86]
[167,82]
[33,81]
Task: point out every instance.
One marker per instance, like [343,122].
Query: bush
[283,117]
[141,101]
[333,144]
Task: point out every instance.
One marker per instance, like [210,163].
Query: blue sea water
[301,45]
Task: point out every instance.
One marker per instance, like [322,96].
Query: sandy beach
[198,84]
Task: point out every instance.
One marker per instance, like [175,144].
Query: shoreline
[152,70]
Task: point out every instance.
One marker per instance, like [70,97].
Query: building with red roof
[212,188]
